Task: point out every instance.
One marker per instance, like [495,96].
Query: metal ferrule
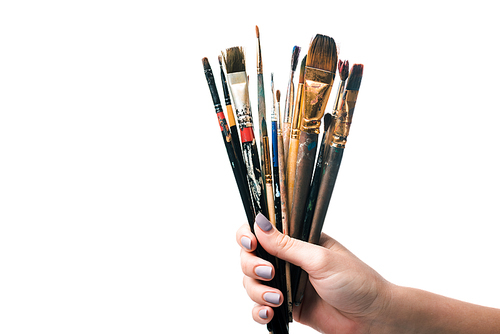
[317,87]
[297,115]
[238,85]
[344,119]
[267,162]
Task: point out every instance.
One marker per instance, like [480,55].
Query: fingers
[246,239]
[262,314]
[308,256]
[262,294]
[255,267]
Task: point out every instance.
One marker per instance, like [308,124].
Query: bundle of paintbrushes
[292,181]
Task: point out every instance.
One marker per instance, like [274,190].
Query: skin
[344,295]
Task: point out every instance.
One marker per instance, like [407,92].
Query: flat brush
[319,74]
[234,59]
[230,117]
[237,78]
[241,181]
[289,99]
[294,135]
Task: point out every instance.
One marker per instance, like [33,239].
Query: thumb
[300,253]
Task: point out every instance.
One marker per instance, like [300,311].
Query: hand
[343,294]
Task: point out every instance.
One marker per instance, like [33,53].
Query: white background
[118,208]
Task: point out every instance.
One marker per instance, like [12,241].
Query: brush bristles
[322,54]
[235,60]
[278,95]
[354,80]
[302,69]
[327,120]
[295,57]
[220,60]
[343,69]
[257,31]
[206,64]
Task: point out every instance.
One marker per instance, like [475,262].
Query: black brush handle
[330,171]
[331,168]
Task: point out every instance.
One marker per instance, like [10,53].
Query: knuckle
[284,243]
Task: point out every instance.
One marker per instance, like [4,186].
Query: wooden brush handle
[291,168]
[286,128]
[305,164]
[270,203]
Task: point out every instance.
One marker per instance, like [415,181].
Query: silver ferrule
[238,84]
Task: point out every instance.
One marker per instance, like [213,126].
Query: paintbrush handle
[331,168]
[284,220]
[306,155]
[286,128]
[299,284]
[291,167]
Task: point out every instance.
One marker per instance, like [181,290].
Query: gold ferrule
[317,87]
[238,85]
[297,114]
[266,160]
[344,119]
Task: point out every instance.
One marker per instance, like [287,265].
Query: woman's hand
[344,294]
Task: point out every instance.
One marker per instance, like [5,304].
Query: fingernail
[246,242]
[271,297]
[263,314]
[264,272]
[264,224]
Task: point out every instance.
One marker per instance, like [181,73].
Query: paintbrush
[280,189]
[234,59]
[319,73]
[289,99]
[230,117]
[343,69]
[264,138]
[275,167]
[240,178]
[294,135]
[336,142]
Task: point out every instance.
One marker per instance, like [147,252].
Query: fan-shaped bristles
[354,80]
[234,59]
[322,54]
